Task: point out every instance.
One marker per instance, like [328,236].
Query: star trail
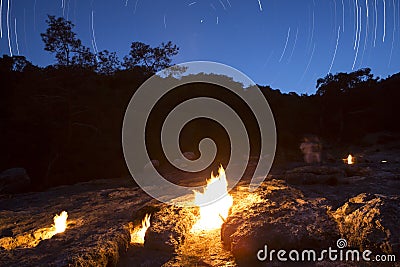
[287,44]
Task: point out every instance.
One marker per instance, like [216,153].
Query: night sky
[287,44]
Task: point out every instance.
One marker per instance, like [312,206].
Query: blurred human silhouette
[311,148]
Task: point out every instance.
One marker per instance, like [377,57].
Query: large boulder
[281,218]
[14,180]
[371,221]
[168,228]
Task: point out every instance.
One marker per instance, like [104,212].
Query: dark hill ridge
[63,125]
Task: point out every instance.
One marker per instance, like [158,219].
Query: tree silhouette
[150,58]
[107,62]
[14,63]
[84,59]
[332,85]
[339,94]
[61,40]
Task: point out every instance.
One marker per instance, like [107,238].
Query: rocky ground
[302,207]
[97,233]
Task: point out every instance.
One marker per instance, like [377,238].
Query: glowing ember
[60,222]
[137,234]
[349,160]
[214,203]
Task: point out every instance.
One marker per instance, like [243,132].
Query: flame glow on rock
[349,160]
[60,222]
[32,239]
[214,203]
[137,234]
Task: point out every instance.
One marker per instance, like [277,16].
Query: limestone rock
[282,219]
[168,228]
[97,232]
[370,221]
[314,175]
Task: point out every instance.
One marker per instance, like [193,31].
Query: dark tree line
[351,104]
[63,122]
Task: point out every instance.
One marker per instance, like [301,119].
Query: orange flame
[30,240]
[138,234]
[214,209]
[60,222]
[349,160]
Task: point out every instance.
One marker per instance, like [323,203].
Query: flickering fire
[349,160]
[137,234]
[60,222]
[32,239]
[214,209]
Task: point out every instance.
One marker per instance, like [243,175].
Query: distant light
[201,21]
[349,160]
[384,161]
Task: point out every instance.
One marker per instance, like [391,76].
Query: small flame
[60,222]
[213,212]
[32,239]
[349,160]
[137,234]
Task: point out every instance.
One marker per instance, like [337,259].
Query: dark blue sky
[287,44]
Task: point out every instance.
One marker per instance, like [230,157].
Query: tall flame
[137,234]
[349,160]
[214,203]
[60,222]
